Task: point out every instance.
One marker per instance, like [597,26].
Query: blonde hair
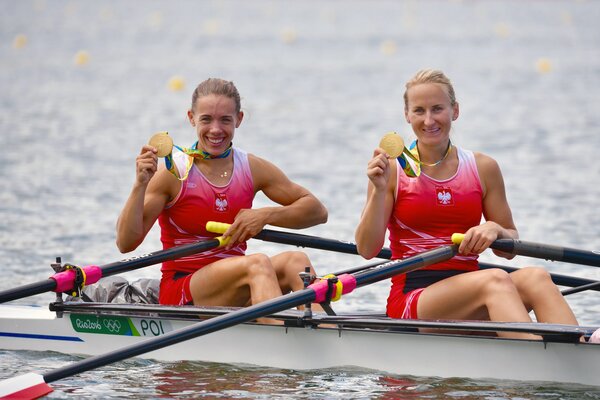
[430,76]
[219,87]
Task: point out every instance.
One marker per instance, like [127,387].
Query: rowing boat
[109,332]
[316,341]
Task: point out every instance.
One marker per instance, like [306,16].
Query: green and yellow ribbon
[408,158]
[164,145]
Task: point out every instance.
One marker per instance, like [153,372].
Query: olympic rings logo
[112,325]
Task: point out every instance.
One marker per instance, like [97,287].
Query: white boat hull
[398,352]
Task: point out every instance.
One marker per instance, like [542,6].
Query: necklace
[441,159]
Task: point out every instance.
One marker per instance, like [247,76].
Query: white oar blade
[28,386]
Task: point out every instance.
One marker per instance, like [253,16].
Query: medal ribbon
[411,163]
[192,153]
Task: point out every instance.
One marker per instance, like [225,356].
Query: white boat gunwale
[313,346]
[549,332]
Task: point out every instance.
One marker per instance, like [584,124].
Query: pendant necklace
[441,159]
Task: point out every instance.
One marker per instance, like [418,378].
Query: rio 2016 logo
[118,325]
[97,324]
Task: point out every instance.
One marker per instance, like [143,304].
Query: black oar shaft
[124,265]
[577,289]
[28,290]
[558,279]
[578,284]
[314,242]
[389,269]
[264,309]
[198,329]
[534,250]
[159,256]
[548,252]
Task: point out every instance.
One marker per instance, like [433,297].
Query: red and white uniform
[184,219]
[426,213]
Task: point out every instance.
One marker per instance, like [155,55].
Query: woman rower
[218,182]
[454,189]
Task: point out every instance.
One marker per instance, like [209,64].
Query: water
[321,82]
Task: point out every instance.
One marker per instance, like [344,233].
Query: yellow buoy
[82,57]
[566,18]
[20,41]
[388,47]
[289,36]
[543,65]
[156,19]
[211,27]
[176,83]
[502,30]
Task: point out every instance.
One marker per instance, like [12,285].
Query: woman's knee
[289,265]
[532,277]
[259,264]
[497,279]
[291,262]
[531,281]
[296,258]
[535,275]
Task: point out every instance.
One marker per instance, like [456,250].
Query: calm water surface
[321,82]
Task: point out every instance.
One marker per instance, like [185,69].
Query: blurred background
[85,84]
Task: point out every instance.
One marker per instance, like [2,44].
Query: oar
[315,242]
[65,281]
[577,284]
[581,288]
[299,240]
[35,385]
[558,279]
[540,250]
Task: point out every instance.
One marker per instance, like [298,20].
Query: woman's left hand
[247,224]
[479,238]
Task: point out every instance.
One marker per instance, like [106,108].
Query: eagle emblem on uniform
[221,203]
[444,197]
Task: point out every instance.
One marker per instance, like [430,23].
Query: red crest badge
[221,203]
[444,196]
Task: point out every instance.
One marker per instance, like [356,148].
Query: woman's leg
[235,281]
[541,295]
[288,266]
[480,295]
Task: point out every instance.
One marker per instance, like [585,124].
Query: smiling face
[430,112]
[215,118]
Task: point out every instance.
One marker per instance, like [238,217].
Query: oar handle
[217,227]
[457,238]
[296,239]
[540,250]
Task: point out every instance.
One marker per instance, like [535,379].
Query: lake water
[85,84]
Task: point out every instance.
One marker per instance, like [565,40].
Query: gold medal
[392,143]
[162,142]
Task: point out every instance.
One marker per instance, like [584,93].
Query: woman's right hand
[378,169]
[146,164]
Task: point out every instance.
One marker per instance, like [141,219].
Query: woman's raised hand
[146,164]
